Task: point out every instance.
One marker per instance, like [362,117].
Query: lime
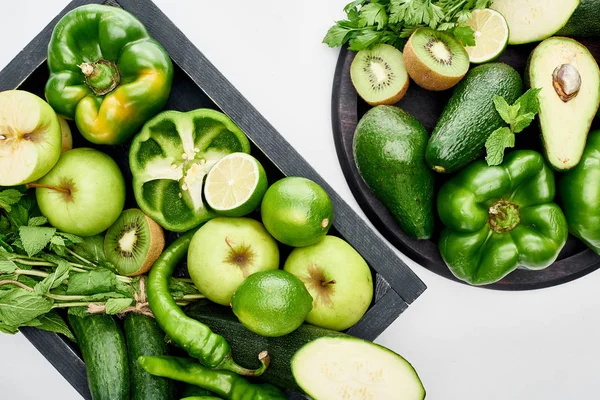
[235,185]
[491,35]
[296,211]
[272,303]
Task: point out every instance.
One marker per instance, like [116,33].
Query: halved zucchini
[534,20]
[351,368]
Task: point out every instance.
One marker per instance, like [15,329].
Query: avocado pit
[566,81]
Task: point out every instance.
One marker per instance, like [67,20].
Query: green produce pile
[499,208]
[265,274]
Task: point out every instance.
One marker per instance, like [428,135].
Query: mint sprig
[518,117]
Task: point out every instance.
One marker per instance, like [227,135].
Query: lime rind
[491,35]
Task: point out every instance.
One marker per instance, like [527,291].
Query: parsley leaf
[35,238]
[373,14]
[495,145]
[336,36]
[465,35]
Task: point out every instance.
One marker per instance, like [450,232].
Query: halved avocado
[569,79]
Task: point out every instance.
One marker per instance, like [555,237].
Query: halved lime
[235,185]
[491,35]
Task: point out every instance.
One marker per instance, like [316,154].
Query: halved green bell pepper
[500,218]
[106,72]
[169,159]
[579,190]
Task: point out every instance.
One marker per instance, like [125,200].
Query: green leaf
[9,197]
[503,108]
[336,36]
[101,297]
[11,330]
[522,122]
[465,35]
[353,5]
[364,40]
[57,241]
[529,102]
[100,280]
[373,14]
[37,221]
[53,322]
[495,145]
[116,306]
[21,306]
[35,238]
[78,311]
[18,215]
[91,248]
[72,238]
[513,112]
[56,278]
[7,267]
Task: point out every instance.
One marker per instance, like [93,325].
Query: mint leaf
[336,36]
[91,248]
[529,102]
[495,145]
[37,221]
[115,306]
[7,267]
[100,280]
[373,14]
[522,122]
[69,236]
[57,241]
[80,312]
[101,297]
[21,306]
[9,197]
[35,238]
[53,322]
[465,35]
[56,278]
[18,215]
[503,108]
[513,112]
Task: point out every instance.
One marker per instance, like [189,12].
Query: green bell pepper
[106,72]
[169,159]
[499,218]
[579,190]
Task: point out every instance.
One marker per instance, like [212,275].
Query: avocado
[389,149]
[470,116]
[569,79]
[584,22]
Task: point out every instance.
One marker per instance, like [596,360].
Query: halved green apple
[30,137]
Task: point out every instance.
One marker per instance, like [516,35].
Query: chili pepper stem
[230,365]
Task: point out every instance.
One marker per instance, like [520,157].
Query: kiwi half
[435,60]
[379,75]
[133,243]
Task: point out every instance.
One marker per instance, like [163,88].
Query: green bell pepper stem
[500,218]
[193,336]
[225,384]
[101,76]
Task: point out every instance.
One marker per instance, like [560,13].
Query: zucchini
[245,344]
[103,349]
[534,20]
[145,338]
[585,21]
[352,368]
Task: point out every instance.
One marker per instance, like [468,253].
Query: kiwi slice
[379,75]
[435,60]
[133,243]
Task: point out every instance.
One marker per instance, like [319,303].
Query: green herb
[392,21]
[518,116]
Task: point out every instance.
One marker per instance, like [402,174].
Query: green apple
[338,279]
[30,137]
[83,194]
[225,251]
[67,137]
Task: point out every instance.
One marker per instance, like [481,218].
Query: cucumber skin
[470,116]
[584,22]
[246,345]
[104,352]
[145,338]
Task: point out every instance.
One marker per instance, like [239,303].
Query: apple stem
[39,185]
[331,282]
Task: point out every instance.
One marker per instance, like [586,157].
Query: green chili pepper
[226,384]
[193,336]
[106,72]
[500,218]
[201,398]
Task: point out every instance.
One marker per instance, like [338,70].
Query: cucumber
[585,21]
[534,20]
[145,338]
[470,116]
[246,345]
[105,355]
[348,367]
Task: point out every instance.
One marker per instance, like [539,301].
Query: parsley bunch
[393,21]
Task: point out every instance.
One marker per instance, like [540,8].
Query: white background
[466,343]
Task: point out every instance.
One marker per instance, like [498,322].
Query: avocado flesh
[564,124]
[389,150]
